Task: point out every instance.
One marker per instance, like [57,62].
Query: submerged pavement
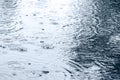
[59,40]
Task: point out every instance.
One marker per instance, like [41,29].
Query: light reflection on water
[59,40]
[9,21]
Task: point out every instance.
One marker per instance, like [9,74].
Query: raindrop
[43,29]
[41,23]
[14,74]
[34,14]
[45,72]
[55,23]
[2,46]
[29,63]
[33,73]
[41,41]
[26,14]
[47,46]
[16,47]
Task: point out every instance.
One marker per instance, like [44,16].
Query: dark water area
[102,47]
[59,40]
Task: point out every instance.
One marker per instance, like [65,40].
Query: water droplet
[55,23]
[45,72]
[47,46]
[41,41]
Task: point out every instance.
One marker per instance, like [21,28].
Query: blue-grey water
[59,40]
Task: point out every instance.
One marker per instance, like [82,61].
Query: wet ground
[59,40]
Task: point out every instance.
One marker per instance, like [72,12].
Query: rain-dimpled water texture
[59,40]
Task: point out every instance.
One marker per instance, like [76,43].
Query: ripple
[9,22]
[77,66]
[36,73]
[16,65]
[47,46]
[86,38]
[17,47]
[5,76]
[33,73]
[10,3]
